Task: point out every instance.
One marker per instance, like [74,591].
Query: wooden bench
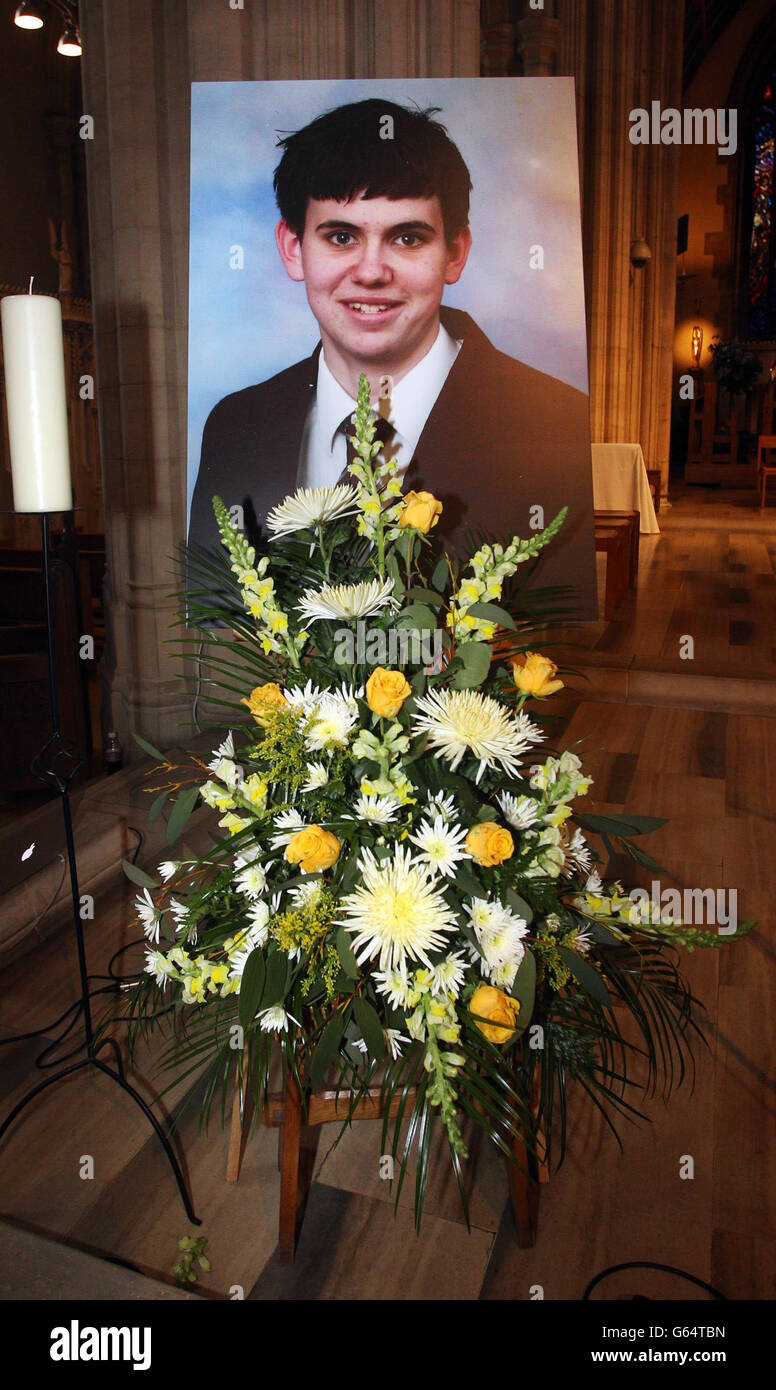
[617,537]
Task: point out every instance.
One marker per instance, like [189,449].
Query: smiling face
[374,270]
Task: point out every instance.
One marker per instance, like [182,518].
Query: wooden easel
[285,1113]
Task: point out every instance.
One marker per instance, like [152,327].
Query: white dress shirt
[323,454]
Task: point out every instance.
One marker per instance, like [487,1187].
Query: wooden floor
[714,775]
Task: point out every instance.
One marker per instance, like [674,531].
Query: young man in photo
[374,221]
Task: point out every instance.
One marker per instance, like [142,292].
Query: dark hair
[345,152]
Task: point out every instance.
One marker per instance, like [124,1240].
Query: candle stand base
[55,766]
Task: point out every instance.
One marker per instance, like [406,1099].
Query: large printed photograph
[389,228]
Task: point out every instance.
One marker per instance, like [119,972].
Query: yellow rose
[386,692]
[312,849]
[264,698]
[492,1003]
[490,843]
[534,674]
[421,510]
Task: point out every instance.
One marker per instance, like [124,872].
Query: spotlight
[28,16]
[70,42]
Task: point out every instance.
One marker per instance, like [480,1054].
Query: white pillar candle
[34,361]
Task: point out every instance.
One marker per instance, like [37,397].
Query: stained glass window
[762,247]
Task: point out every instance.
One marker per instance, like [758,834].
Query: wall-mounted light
[696,344]
[32,14]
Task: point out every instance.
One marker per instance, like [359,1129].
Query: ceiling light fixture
[32,14]
[70,42]
[28,16]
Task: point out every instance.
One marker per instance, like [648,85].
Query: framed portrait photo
[425,233]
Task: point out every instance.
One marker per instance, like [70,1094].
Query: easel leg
[289,1172]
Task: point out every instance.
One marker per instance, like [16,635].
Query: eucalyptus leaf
[417,615]
[180,813]
[524,990]
[520,906]
[371,1028]
[586,976]
[326,1050]
[440,575]
[276,981]
[138,876]
[475,663]
[345,952]
[149,748]
[492,613]
[426,596]
[157,805]
[251,987]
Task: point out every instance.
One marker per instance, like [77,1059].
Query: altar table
[620,483]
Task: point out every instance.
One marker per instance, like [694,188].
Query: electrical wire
[650,1264]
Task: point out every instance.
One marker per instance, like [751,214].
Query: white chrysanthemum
[397,911]
[520,811]
[347,600]
[485,915]
[393,984]
[275,1020]
[442,805]
[311,506]
[256,935]
[287,823]
[149,915]
[330,725]
[594,884]
[180,912]
[441,845]
[582,941]
[449,975]
[306,894]
[226,749]
[395,1041]
[499,933]
[504,946]
[502,976]
[252,880]
[317,777]
[377,809]
[168,868]
[158,966]
[466,721]
[248,853]
[578,854]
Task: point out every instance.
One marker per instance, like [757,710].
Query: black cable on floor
[649,1264]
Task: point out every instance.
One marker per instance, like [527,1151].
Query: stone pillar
[623,56]
[498,39]
[537,39]
[139,59]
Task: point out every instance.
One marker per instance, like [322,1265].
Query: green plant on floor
[192,1250]
[734,366]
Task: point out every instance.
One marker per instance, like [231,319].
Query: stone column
[537,39]
[623,56]
[139,59]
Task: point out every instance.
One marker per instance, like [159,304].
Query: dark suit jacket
[500,439]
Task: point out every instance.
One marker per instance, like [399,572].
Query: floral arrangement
[400,884]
